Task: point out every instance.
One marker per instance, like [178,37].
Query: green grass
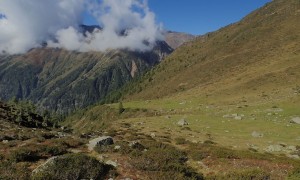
[207,122]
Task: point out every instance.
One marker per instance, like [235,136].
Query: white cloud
[127,24]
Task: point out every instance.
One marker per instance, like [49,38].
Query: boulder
[295,120]
[182,122]
[71,166]
[274,148]
[100,141]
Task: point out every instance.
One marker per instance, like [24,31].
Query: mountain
[176,39]
[63,81]
[258,56]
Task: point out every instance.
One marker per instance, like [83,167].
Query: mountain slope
[258,55]
[63,81]
[176,39]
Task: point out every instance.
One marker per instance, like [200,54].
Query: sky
[199,16]
[126,24]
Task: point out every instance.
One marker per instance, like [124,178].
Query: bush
[55,150]
[71,166]
[163,160]
[180,141]
[295,174]
[12,170]
[24,155]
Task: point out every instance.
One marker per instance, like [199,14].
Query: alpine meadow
[108,90]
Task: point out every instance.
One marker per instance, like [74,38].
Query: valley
[223,105]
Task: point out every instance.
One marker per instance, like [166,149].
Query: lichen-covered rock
[182,122]
[100,141]
[71,166]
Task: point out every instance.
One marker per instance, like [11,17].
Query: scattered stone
[76,151]
[252,146]
[168,117]
[292,148]
[238,118]
[293,156]
[153,135]
[234,116]
[295,120]
[274,148]
[100,141]
[256,134]
[112,163]
[136,145]
[227,116]
[117,147]
[182,122]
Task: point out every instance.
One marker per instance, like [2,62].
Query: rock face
[182,122]
[176,39]
[72,166]
[295,120]
[100,141]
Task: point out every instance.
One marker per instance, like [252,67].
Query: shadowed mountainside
[63,81]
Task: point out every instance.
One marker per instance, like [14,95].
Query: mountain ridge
[239,55]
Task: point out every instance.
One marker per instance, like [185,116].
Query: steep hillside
[256,57]
[176,39]
[63,81]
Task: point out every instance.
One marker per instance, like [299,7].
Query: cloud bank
[126,24]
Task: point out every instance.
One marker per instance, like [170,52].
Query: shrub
[12,170]
[164,161]
[55,150]
[295,174]
[180,141]
[24,155]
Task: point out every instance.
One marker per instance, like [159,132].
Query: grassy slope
[250,68]
[259,54]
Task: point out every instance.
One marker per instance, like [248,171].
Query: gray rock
[182,122]
[70,166]
[292,148]
[256,134]
[238,118]
[234,116]
[117,148]
[100,141]
[153,135]
[295,120]
[293,156]
[274,148]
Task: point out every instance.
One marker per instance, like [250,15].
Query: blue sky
[199,16]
